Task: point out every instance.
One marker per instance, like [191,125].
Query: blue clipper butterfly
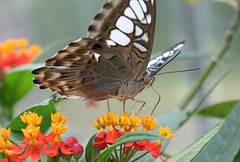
[113,60]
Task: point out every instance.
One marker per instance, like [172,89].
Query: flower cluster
[35,142]
[14,53]
[127,123]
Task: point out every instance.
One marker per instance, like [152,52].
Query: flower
[31,118]
[155,147]
[77,149]
[54,136]
[11,151]
[14,52]
[110,120]
[91,105]
[148,123]
[128,123]
[33,142]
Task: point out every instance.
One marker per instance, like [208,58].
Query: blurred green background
[55,23]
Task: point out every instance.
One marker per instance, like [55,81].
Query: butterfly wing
[85,68]
[157,63]
[127,26]
[116,50]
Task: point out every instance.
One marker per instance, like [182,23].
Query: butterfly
[113,61]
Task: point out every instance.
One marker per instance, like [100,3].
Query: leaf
[191,151]
[128,137]
[45,108]
[232,3]
[219,110]
[237,157]
[16,85]
[89,151]
[225,145]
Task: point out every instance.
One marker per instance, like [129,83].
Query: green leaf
[225,145]
[45,108]
[191,151]
[232,3]
[128,137]
[219,110]
[90,152]
[16,85]
[237,157]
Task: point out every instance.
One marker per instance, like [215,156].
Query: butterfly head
[148,81]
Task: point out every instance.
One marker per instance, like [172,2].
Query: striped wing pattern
[115,52]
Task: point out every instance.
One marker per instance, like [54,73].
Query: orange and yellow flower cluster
[14,53]
[35,142]
[127,123]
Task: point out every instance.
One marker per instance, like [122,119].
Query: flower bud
[77,150]
[71,140]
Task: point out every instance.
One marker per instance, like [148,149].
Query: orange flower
[58,128]
[15,53]
[33,143]
[155,147]
[11,151]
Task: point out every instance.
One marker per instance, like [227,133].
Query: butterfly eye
[97,47]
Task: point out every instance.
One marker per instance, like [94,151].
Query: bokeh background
[55,23]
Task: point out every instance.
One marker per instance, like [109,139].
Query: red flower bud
[77,150]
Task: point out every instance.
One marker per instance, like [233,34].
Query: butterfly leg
[108,105]
[159,98]
[143,104]
[124,103]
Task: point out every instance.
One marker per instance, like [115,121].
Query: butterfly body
[112,61]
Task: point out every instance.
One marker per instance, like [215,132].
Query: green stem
[194,111]
[216,60]
[140,157]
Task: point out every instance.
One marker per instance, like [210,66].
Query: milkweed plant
[35,134]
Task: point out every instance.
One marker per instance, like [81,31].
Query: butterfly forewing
[111,60]
[127,26]
[157,63]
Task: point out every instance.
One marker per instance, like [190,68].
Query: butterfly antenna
[159,98]
[178,71]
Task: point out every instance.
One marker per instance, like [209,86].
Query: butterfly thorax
[130,89]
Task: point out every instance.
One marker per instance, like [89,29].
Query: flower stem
[140,157]
[216,60]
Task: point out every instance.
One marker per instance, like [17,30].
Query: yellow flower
[58,128]
[133,122]
[122,122]
[31,132]
[165,132]
[31,118]
[5,134]
[58,118]
[109,118]
[99,123]
[148,123]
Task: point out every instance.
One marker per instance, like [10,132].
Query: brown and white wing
[86,69]
[127,26]
[116,50]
